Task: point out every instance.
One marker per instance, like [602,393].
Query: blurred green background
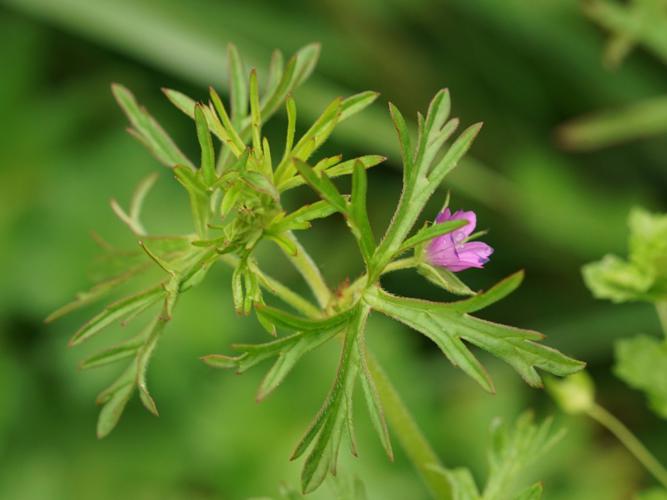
[552,198]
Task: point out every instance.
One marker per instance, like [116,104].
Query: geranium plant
[235,192]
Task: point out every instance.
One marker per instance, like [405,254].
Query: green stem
[310,272]
[661,307]
[630,441]
[412,440]
[397,265]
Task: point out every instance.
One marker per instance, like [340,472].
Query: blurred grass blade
[238,86]
[607,128]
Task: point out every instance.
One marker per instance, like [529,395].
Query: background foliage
[552,197]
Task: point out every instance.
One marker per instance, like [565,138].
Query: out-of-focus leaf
[574,394]
[641,362]
[462,483]
[513,449]
[627,19]
[653,494]
[617,280]
[207,154]
[533,492]
[607,128]
[148,131]
[238,86]
[644,275]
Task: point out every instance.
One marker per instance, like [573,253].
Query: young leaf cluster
[234,191]
[643,276]
[513,449]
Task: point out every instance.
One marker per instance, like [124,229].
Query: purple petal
[466,230]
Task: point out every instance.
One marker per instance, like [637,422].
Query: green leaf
[255,114]
[448,327]
[641,362]
[373,401]
[430,133]
[486,298]
[290,106]
[289,351]
[617,280]
[644,275]
[119,352]
[95,293]
[533,492]
[356,103]
[321,183]
[404,142]
[319,131]
[513,449]
[433,231]
[148,131]
[300,218]
[444,278]
[154,330]
[574,394]
[361,227]
[327,427]
[139,195]
[298,69]
[461,481]
[648,244]
[238,87]
[116,311]
[653,494]
[275,75]
[452,156]
[229,134]
[283,319]
[113,409]
[114,398]
[344,168]
[206,145]
[199,200]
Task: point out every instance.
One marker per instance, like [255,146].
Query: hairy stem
[412,440]
[310,272]
[630,441]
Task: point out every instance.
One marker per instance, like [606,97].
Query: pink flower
[452,250]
